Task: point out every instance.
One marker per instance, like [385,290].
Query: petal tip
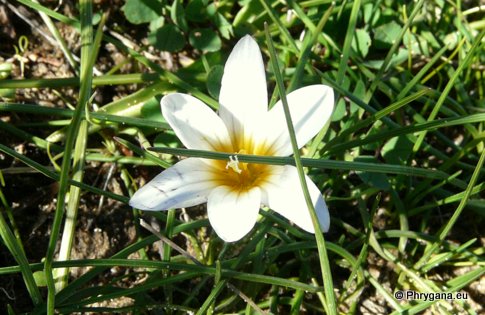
[168,102]
[137,200]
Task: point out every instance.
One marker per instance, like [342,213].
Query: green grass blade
[421,73]
[79,158]
[60,40]
[60,17]
[322,250]
[112,79]
[393,49]
[100,117]
[39,142]
[320,164]
[446,229]
[169,76]
[61,275]
[282,29]
[308,44]
[55,176]
[17,252]
[87,62]
[342,69]
[451,83]
[143,153]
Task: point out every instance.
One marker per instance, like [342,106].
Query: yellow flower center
[242,176]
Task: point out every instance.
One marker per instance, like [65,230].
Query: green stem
[87,61]
[321,164]
[322,250]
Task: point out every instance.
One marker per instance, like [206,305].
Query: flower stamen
[233,164]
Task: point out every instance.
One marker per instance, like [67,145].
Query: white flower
[233,190]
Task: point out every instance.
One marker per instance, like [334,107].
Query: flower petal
[185,184]
[283,194]
[244,95]
[310,109]
[233,214]
[196,125]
